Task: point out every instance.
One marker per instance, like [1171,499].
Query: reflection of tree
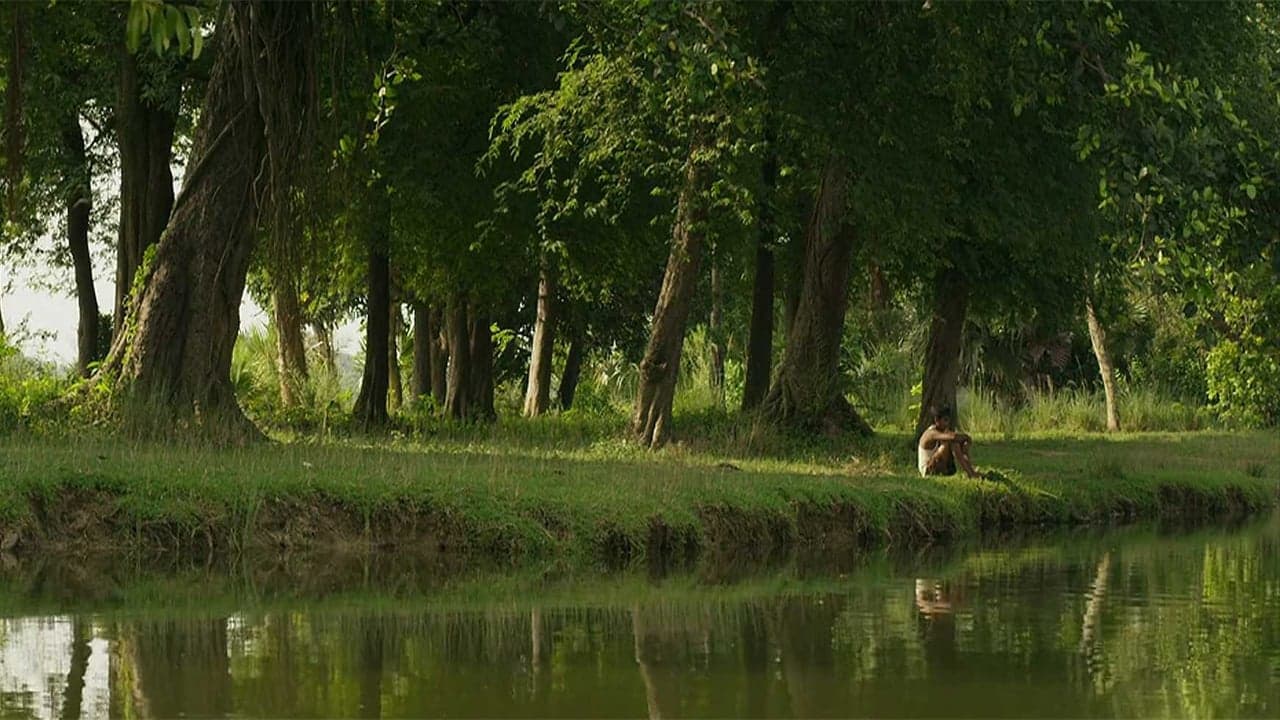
[73,694]
[641,641]
[128,697]
[1093,611]
[539,653]
[1157,626]
[172,667]
[803,630]
[369,667]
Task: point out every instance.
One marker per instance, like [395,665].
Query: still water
[1131,623]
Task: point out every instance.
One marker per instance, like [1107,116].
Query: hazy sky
[50,317]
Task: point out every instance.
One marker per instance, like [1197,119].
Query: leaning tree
[170,368]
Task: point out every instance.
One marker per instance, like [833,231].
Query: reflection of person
[932,598]
[940,447]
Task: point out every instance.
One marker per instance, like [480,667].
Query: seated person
[941,448]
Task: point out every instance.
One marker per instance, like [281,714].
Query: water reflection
[1130,626]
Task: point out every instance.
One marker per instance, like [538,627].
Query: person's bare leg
[940,461]
[960,450]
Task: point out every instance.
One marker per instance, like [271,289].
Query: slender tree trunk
[760,336]
[651,420]
[371,404]
[715,328]
[423,339]
[480,378]
[942,357]
[174,359]
[145,133]
[880,294]
[324,338]
[1098,338]
[394,385]
[439,350]
[79,203]
[537,397]
[807,391]
[457,390]
[572,372]
[291,350]
[791,298]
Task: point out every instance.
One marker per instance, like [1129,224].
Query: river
[1135,622]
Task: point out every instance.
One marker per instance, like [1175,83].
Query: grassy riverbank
[341,583]
[592,500]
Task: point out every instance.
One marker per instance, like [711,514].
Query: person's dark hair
[941,411]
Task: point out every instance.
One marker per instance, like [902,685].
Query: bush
[1244,382]
[29,391]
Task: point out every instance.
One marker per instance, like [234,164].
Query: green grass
[565,488]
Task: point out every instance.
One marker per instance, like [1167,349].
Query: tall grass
[1142,409]
[324,398]
[883,381]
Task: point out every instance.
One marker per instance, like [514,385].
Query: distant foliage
[29,391]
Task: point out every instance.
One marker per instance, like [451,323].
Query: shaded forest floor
[557,489]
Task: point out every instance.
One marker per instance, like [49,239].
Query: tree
[146,118]
[171,367]
[50,162]
[806,391]
[537,396]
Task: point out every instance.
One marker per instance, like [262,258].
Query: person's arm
[936,436]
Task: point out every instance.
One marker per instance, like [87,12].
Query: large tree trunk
[145,132]
[1098,338]
[715,329]
[457,390]
[651,420]
[79,204]
[174,357]
[942,357]
[572,372]
[371,404]
[291,350]
[395,388]
[760,335]
[537,395]
[807,392]
[480,377]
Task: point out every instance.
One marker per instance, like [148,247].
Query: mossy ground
[568,493]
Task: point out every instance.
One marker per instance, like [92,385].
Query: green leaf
[197,41]
[135,25]
[178,26]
